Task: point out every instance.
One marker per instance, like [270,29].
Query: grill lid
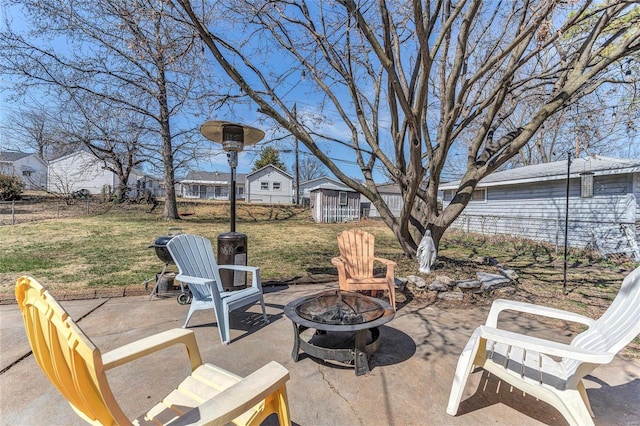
[160,245]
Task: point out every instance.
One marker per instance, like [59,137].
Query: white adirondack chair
[197,267]
[526,362]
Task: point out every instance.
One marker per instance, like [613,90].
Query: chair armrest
[238,398]
[500,305]
[339,263]
[194,280]
[255,273]
[387,262]
[547,347]
[391,265]
[254,269]
[154,343]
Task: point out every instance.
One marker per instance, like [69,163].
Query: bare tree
[310,168]
[117,138]
[32,129]
[412,82]
[131,54]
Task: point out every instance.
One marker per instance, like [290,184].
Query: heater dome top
[214,130]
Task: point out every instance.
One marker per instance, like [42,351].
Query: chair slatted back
[357,250]
[66,355]
[194,257]
[620,323]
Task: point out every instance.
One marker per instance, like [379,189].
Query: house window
[586,185]
[264,185]
[240,191]
[342,198]
[276,186]
[26,173]
[479,195]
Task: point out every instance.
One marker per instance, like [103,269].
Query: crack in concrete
[335,390]
[25,356]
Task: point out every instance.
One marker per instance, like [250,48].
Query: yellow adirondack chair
[210,395]
[356,261]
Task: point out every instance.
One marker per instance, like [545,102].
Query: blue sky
[214,159]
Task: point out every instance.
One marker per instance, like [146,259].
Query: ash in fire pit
[337,307]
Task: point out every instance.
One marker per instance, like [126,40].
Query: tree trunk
[170,203]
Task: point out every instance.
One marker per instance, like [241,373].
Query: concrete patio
[408,384]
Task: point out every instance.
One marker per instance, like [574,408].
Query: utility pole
[566,224]
[295,116]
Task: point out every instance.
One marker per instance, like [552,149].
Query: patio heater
[232,246]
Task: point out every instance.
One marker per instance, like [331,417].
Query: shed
[530,202]
[329,205]
[269,185]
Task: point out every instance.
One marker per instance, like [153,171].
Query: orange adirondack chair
[356,262]
[210,395]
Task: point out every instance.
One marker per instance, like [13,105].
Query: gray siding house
[603,212]
[391,195]
[211,185]
[269,185]
[324,181]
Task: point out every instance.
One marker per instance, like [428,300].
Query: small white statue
[426,253]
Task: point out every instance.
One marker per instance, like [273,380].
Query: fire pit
[340,318]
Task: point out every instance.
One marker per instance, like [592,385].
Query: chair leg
[284,418]
[465,365]
[223,325]
[392,296]
[192,309]
[585,398]
[274,403]
[572,406]
[264,311]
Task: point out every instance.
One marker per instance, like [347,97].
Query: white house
[211,185]
[531,201]
[81,170]
[29,167]
[269,185]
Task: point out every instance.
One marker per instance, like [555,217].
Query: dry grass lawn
[98,247]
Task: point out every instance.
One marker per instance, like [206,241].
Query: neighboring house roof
[555,171]
[211,178]
[332,187]
[389,188]
[84,154]
[277,169]
[10,157]
[321,178]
